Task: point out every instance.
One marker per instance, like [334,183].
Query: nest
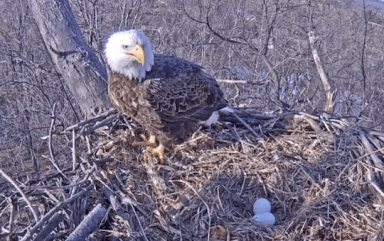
[323,177]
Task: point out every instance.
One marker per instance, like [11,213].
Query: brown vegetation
[322,175]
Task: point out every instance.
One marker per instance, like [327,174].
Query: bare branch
[9,179]
[50,226]
[90,222]
[323,76]
[51,212]
[228,81]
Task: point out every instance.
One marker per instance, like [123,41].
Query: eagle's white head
[129,53]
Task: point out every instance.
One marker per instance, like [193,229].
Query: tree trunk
[79,66]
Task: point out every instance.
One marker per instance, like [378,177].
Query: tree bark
[79,66]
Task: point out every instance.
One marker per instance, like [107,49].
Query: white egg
[267,218]
[261,205]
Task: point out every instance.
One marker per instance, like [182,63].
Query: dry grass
[207,186]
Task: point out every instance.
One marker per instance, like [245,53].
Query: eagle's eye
[125,46]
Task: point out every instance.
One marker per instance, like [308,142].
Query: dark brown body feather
[171,101]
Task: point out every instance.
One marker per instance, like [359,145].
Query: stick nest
[323,177]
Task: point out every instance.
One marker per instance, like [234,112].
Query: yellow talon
[150,147]
[158,151]
[147,143]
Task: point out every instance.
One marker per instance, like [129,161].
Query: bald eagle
[167,95]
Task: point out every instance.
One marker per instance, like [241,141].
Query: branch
[363,49]
[228,81]
[264,50]
[375,159]
[230,40]
[9,179]
[51,157]
[323,77]
[89,223]
[51,212]
[52,224]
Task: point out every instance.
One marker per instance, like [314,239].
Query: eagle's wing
[180,90]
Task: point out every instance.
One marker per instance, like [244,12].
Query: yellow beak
[138,54]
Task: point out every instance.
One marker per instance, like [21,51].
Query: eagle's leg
[147,143]
[158,151]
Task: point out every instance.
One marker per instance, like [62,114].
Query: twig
[54,210]
[228,81]
[369,153]
[114,203]
[310,178]
[138,220]
[376,160]
[372,180]
[269,19]
[246,125]
[230,40]
[52,224]
[159,186]
[11,217]
[362,60]
[116,206]
[97,125]
[74,159]
[131,132]
[52,158]
[89,223]
[94,119]
[89,145]
[206,205]
[87,172]
[83,123]
[9,179]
